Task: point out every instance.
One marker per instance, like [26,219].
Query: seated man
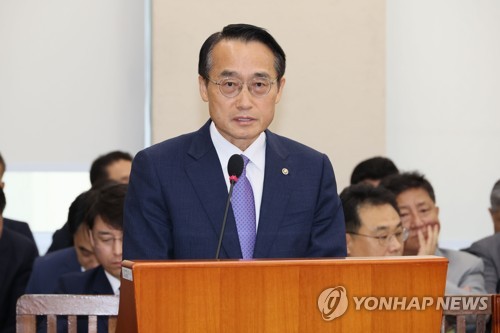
[17,254]
[488,248]
[105,221]
[373,225]
[372,170]
[48,269]
[420,215]
[114,166]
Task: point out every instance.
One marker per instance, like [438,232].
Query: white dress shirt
[255,168]
[114,282]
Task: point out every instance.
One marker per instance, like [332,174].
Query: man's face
[83,247]
[495,216]
[107,243]
[119,171]
[379,235]
[242,118]
[417,212]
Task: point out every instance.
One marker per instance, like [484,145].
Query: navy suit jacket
[48,269]
[17,254]
[177,194]
[91,282]
[20,227]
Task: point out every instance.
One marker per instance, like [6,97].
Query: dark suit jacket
[20,227]
[488,249]
[91,282]
[177,194]
[48,269]
[17,254]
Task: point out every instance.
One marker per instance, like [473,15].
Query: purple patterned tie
[244,212]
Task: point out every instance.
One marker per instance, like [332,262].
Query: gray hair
[495,197]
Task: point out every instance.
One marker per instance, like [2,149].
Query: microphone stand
[232,180]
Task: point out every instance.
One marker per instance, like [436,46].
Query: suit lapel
[274,197]
[207,178]
[100,284]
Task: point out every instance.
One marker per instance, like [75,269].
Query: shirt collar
[256,152]
[114,282]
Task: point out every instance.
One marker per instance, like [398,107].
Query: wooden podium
[281,295]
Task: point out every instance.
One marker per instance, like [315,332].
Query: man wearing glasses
[178,188]
[419,213]
[373,225]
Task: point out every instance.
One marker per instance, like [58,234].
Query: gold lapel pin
[284,171]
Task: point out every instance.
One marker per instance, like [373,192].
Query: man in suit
[419,213]
[20,227]
[17,254]
[373,225]
[488,248]
[178,189]
[113,166]
[77,258]
[105,221]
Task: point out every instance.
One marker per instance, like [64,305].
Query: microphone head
[235,166]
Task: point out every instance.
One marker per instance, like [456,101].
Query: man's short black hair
[374,168]
[79,209]
[400,183]
[108,205]
[98,170]
[245,33]
[359,195]
[3,201]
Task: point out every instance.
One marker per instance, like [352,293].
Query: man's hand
[428,246]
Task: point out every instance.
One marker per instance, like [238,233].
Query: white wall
[72,87]
[71,82]
[443,105]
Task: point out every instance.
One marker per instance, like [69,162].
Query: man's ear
[280,91]
[2,185]
[203,88]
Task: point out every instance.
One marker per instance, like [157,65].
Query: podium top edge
[288,262]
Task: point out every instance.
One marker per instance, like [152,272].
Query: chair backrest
[495,320]
[51,306]
[459,311]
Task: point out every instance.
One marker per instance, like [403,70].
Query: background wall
[72,87]
[71,82]
[443,105]
[334,98]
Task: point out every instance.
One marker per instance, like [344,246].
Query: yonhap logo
[332,303]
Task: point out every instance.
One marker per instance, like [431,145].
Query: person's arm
[146,232]
[490,274]
[18,287]
[328,229]
[472,281]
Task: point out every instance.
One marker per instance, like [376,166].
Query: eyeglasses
[384,240]
[231,87]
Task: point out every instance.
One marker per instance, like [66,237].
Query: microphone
[235,169]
